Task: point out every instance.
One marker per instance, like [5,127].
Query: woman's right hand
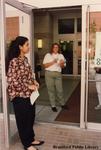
[32,87]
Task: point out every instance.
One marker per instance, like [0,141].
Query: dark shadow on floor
[73,113]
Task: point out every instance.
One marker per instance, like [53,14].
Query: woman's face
[55,49]
[25,48]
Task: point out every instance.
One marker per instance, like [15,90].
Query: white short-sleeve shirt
[50,57]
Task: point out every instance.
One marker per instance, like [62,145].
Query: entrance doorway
[61,25]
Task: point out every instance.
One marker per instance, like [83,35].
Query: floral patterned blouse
[19,76]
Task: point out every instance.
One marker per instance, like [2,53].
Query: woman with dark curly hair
[20,86]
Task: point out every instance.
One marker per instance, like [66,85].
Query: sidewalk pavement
[56,137]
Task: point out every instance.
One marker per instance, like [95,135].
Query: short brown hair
[51,50]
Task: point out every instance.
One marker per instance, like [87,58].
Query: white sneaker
[98,107]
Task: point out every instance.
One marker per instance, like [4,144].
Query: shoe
[98,107]
[26,148]
[40,143]
[64,107]
[54,109]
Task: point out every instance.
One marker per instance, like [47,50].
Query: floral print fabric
[19,76]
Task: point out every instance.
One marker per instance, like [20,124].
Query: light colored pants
[54,85]
[98,86]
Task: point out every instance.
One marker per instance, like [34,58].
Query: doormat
[73,113]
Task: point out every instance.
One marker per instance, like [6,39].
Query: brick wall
[12,28]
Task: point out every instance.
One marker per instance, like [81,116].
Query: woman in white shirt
[53,63]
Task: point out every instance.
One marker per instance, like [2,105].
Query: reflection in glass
[94,115]
[94,93]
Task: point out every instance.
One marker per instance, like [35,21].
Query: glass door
[14,17]
[93,67]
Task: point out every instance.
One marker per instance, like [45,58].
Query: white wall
[58,3]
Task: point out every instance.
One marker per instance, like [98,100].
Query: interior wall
[43,30]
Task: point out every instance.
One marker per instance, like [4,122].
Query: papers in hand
[34,96]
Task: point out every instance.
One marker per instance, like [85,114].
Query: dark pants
[25,116]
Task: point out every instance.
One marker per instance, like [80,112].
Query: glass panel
[1,110]
[16,22]
[94,92]
[12,30]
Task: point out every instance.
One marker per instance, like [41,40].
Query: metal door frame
[27,10]
[90,125]
[21,7]
[86,9]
